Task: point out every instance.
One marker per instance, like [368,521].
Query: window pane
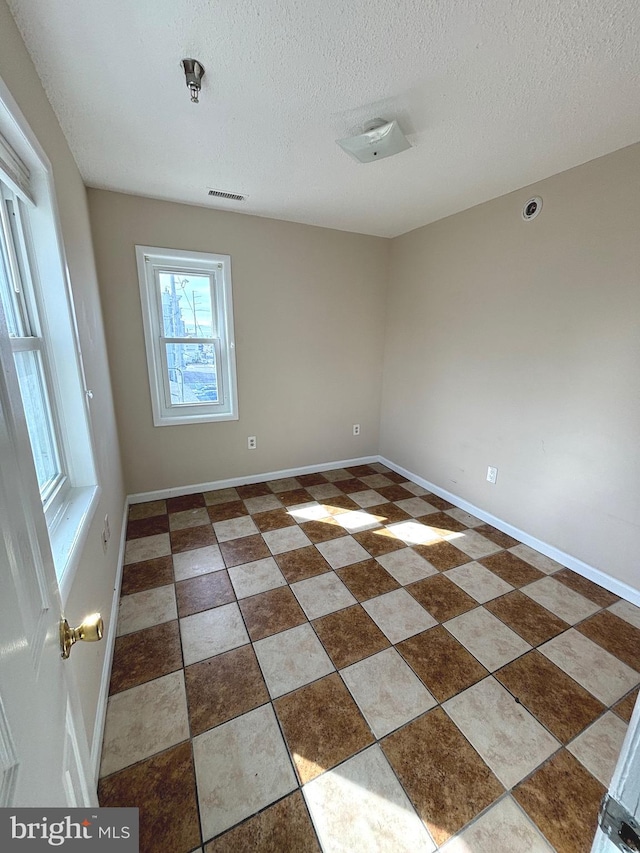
[34,400]
[193,373]
[186,306]
[7,293]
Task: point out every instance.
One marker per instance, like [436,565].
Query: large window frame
[156,266]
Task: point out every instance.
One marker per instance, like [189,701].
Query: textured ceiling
[493,95]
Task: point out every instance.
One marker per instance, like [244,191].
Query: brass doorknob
[90,631]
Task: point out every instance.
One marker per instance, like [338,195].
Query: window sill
[69,534]
[176,420]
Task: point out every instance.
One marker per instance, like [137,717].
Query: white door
[623,805]
[44,757]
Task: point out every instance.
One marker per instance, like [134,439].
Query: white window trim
[148,259]
[69,529]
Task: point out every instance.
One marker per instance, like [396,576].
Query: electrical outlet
[252,442]
[106,534]
[492,474]
[356,429]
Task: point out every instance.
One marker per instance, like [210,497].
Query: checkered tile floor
[342,661]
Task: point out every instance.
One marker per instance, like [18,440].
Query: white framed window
[37,318]
[187,310]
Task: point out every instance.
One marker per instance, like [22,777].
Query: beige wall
[517,345]
[95,579]
[309,322]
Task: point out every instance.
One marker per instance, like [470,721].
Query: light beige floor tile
[200,561]
[336,474]
[464,517]
[361,806]
[487,638]
[598,747]
[507,737]
[414,533]
[627,611]
[147,608]
[286,539]
[504,828]
[147,510]
[258,576]
[599,672]
[536,559]
[342,552]
[377,481]
[355,521]
[235,528]
[212,632]
[241,767]
[284,484]
[322,594]
[262,503]
[559,599]
[416,507]
[147,548]
[379,467]
[473,544]
[311,511]
[478,581]
[415,489]
[189,518]
[292,658]
[406,566]
[323,491]
[144,720]
[368,498]
[221,496]
[398,615]
[387,691]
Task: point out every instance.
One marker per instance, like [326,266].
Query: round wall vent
[532,208]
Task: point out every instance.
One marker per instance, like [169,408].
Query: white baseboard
[103,695]
[141,497]
[615,586]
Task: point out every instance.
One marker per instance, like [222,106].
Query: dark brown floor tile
[351,486]
[271,612]
[253,490]
[148,574]
[361,471]
[185,502]
[322,531]
[443,523]
[395,493]
[227,511]
[526,617]
[245,550]
[615,635]
[350,635]
[624,708]
[390,513]
[445,778]
[441,597]
[322,726]
[302,563]
[367,579]
[511,569]
[223,687]
[145,655]
[295,497]
[559,702]
[378,542]
[395,477]
[440,503]
[441,555]
[273,519]
[192,537]
[147,509]
[311,480]
[286,826]
[563,799]
[164,789]
[147,526]
[441,662]
[339,502]
[497,536]
[592,591]
[203,593]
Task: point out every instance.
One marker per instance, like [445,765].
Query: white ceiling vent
[380,139]
[224,194]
